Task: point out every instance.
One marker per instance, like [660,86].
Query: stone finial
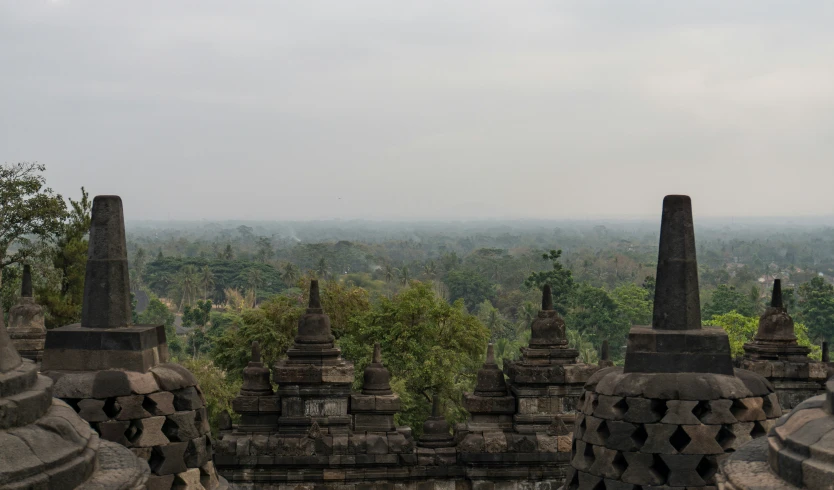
[9,358]
[315,297]
[106,284]
[376,378]
[603,351]
[491,381]
[677,304]
[776,298]
[256,351]
[436,428]
[825,357]
[547,298]
[26,287]
[435,405]
[377,359]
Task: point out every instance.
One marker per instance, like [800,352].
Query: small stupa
[775,354]
[257,404]
[26,321]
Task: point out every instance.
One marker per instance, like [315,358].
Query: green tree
[254,280]
[218,388]
[816,308]
[188,281]
[470,286]
[138,269]
[265,251]
[207,278]
[28,209]
[559,278]
[634,302]
[291,273]
[597,317]
[157,313]
[68,256]
[428,345]
[726,299]
[228,254]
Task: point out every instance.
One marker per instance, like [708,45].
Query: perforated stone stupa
[797,453]
[44,444]
[26,321]
[677,407]
[775,354]
[116,375]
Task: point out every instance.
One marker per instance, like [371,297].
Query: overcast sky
[421,109]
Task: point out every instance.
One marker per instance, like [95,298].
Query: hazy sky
[421,109]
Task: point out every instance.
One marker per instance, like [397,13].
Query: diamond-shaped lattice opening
[603,431]
[573,446]
[588,455]
[659,469]
[738,409]
[637,487]
[574,481]
[706,469]
[621,407]
[659,408]
[73,402]
[582,399]
[149,405]
[701,409]
[758,430]
[725,438]
[679,439]
[639,436]
[594,404]
[134,432]
[580,429]
[600,485]
[767,405]
[111,408]
[619,464]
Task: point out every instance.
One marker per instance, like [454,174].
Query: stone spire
[676,342]
[436,429]
[314,342]
[106,339]
[256,404]
[491,406]
[677,304]
[604,355]
[377,379]
[490,379]
[106,284]
[26,321]
[776,338]
[548,329]
[256,376]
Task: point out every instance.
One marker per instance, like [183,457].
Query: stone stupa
[44,444]
[677,407]
[26,321]
[116,375]
[775,354]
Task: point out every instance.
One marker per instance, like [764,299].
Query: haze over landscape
[424,110]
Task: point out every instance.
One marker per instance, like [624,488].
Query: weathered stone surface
[147,432]
[169,458]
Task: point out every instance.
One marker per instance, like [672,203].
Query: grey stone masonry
[775,354]
[116,376]
[797,453]
[257,404]
[548,379]
[44,444]
[669,417]
[26,322]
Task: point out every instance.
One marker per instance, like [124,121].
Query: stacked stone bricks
[547,381]
[26,322]
[45,445]
[775,354]
[115,375]
[677,407]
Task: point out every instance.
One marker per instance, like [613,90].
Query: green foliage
[157,313]
[28,209]
[218,388]
[634,302]
[470,286]
[816,303]
[741,329]
[428,345]
[559,278]
[595,315]
[726,299]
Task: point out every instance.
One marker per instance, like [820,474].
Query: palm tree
[188,280]
[254,279]
[404,276]
[388,273]
[291,273]
[430,269]
[207,277]
[322,269]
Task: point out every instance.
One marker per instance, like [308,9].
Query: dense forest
[433,294]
